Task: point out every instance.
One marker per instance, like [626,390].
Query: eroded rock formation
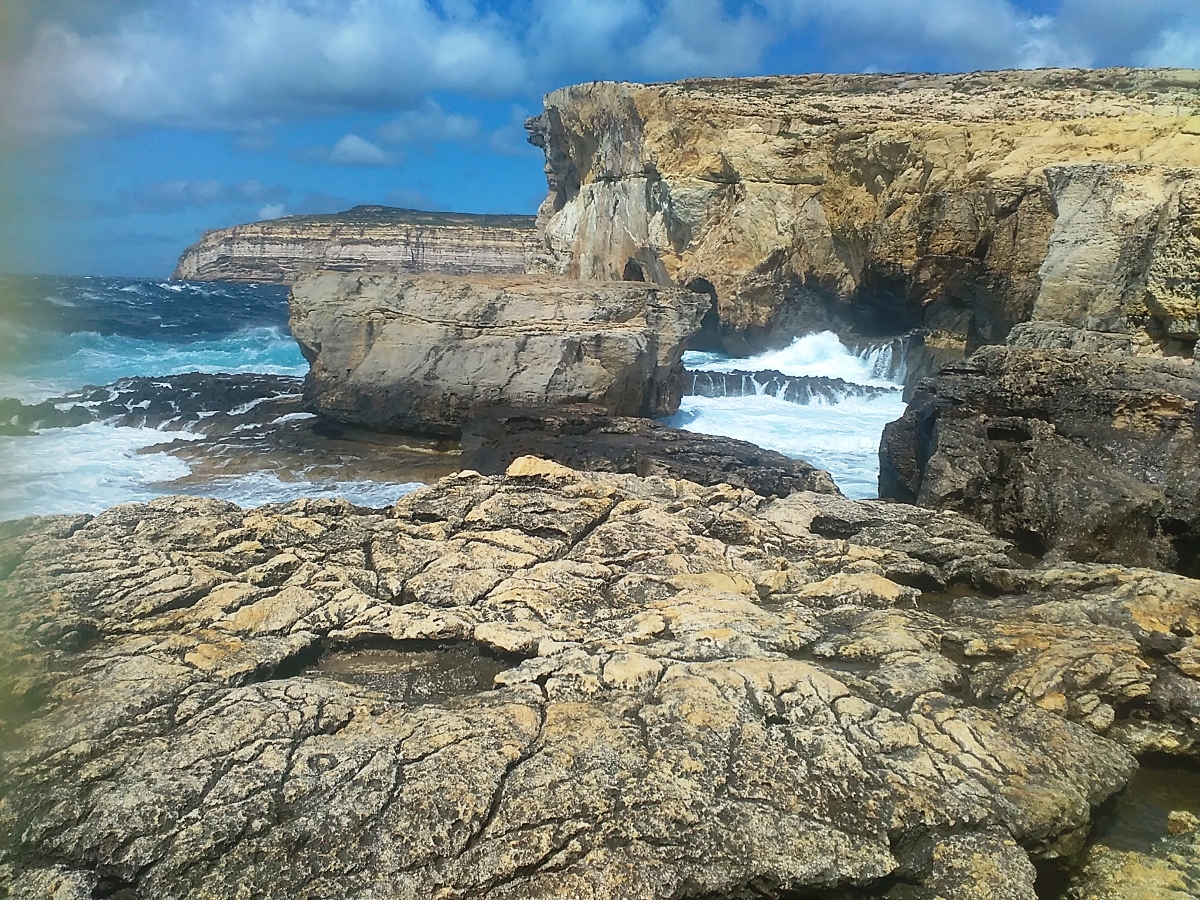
[1082,455]
[363,238]
[418,353]
[547,684]
[962,204]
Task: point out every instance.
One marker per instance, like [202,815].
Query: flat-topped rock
[545,684]
[961,204]
[418,353]
[364,238]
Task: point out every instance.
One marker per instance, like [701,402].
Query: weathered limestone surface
[418,353]
[363,238]
[1088,456]
[545,684]
[1170,871]
[961,204]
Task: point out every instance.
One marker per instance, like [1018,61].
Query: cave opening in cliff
[708,338]
[634,271]
[883,306]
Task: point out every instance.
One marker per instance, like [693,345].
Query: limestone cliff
[366,237]
[962,204]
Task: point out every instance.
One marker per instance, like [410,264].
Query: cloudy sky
[127,127]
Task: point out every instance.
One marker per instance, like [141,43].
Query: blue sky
[128,127]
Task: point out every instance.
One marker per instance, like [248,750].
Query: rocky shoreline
[693,691]
[598,657]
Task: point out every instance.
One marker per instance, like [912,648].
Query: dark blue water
[59,334]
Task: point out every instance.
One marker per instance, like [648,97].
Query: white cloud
[246,65]
[587,35]
[179,194]
[895,34]
[240,63]
[1175,48]
[626,39]
[428,124]
[697,37]
[351,150]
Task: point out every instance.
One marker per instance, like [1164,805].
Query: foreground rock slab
[545,684]
[1082,455]
[418,353]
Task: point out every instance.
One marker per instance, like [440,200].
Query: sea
[133,339]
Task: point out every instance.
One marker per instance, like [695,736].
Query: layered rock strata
[364,238]
[1083,455]
[872,204]
[547,684]
[419,353]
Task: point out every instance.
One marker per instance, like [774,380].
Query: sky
[129,127]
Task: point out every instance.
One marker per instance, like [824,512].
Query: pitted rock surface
[698,692]
[962,204]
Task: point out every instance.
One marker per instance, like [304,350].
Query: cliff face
[873,204]
[366,237]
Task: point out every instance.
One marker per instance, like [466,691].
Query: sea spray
[834,422]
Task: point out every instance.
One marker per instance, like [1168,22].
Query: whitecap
[842,438]
[820,354]
[82,470]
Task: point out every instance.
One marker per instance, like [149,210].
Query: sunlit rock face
[420,353]
[552,684]
[961,204]
[366,237]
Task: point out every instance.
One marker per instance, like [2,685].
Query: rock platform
[552,684]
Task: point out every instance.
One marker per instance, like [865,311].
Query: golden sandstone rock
[557,684]
[960,203]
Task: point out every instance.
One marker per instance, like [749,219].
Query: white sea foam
[84,469]
[821,354]
[89,468]
[841,437]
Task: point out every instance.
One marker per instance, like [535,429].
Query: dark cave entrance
[634,271]
[708,338]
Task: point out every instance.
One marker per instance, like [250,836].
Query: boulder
[418,353]
[1079,455]
[584,438]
